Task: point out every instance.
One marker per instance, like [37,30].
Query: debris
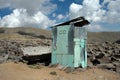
[53,73]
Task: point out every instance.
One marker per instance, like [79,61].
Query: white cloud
[90,9]
[28,13]
[95,13]
[92,4]
[20,17]
[94,27]
[45,6]
[113,13]
[60,16]
[74,10]
[42,20]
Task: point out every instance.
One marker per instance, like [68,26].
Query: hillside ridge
[37,33]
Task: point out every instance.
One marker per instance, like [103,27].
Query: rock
[82,69]
[106,66]
[117,56]
[41,64]
[69,70]
[116,63]
[118,68]
[53,65]
[105,59]
[118,41]
[2,59]
[114,59]
[61,67]
[6,57]
[100,55]
[96,62]
[89,64]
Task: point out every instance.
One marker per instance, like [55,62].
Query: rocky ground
[11,50]
[102,55]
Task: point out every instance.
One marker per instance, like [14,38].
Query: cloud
[60,16]
[20,17]
[97,13]
[90,9]
[28,13]
[74,10]
[42,20]
[45,6]
[94,27]
[113,13]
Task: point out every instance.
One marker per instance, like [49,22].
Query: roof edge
[79,21]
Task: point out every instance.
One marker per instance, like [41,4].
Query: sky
[103,15]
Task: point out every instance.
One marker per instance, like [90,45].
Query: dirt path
[20,71]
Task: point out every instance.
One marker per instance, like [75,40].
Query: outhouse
[69,41]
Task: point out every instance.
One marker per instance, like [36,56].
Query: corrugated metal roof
[80,21]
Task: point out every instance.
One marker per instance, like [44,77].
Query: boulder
[106,66]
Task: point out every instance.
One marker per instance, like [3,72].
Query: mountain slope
[24,33]
[103,36]
[37,33]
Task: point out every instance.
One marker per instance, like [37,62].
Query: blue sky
[104,15]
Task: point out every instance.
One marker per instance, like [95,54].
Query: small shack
[69,41]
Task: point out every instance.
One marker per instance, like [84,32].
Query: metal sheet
[60,44]
[69,47]
[33,51]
